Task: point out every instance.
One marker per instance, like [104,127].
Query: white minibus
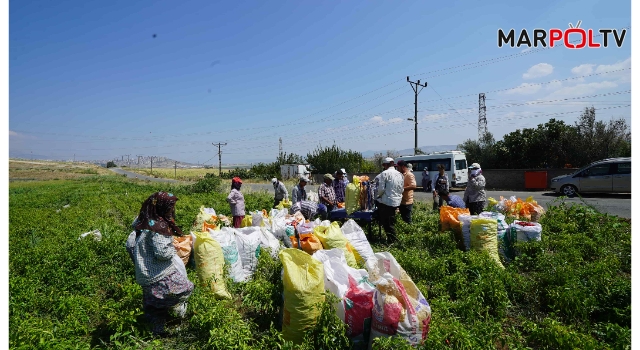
[455,165]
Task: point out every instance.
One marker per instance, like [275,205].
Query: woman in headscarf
[236,201]
[165,289]
[475,196]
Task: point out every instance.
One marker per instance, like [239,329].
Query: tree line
[554,144]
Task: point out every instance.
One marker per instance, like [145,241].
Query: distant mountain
[409,151]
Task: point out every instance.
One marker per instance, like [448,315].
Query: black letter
[621,39]
[502,39]
[537,37]
[605,33]
[523,36]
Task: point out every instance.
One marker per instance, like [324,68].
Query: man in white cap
[389,188]
[281,191]
[475,195]
[344,179]
[298,193]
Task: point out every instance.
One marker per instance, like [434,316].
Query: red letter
[591,43]
[570,31]
[554,35]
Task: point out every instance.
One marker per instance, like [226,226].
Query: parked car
[611,175]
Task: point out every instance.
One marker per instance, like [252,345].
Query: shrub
[210,183]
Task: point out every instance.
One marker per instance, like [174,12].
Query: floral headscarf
[158,215]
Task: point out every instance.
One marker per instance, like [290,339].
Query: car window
[597,170]
[623,168]
[461,164]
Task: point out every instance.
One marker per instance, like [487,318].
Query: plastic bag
[352,286]
[308,242]
[285,203]
[352,198]
[203,215]
[269,242]
[484,237]
[183,246]
[527,231]
[465,225]
[332,237]
[399,308]
[210,264]
[356,236]
[248,240]
[247,221]
[449,218]
[279,223]
[226,237]
[303,281]
[313,197]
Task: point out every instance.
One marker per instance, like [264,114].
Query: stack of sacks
[465,226]
[514,207]
[502,228]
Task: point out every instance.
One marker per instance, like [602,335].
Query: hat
[475,166]
[236,179]
[328,177]
[401,162]
[304,178]
[410,166]
[343,171]
[339,171]
[274,180]
[425,168]
[387,160]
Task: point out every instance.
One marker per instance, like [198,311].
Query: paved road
[133,175]
[615,204]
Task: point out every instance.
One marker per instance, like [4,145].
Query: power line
[219,156]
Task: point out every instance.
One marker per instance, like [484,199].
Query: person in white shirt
[281,191]
[390,186]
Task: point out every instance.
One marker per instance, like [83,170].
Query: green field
[572,290]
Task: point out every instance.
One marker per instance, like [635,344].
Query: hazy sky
[169,78]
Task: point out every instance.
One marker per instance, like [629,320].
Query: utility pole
[219,156]
[74,157]
[414,86]
[175,170]
[280,147]
[151,165]
[482,116]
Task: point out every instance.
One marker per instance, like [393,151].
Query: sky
[170,79]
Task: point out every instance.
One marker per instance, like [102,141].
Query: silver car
[611,175]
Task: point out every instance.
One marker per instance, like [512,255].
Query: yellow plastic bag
[352,198]
[484,237]
[200,219]
[183,247]
[303,282]
[210,264]
[246,222]
[332,237]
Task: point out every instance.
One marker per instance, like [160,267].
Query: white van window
[444,161]
[461,164]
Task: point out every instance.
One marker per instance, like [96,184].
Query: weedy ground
[572,290]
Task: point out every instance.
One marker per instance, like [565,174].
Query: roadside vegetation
[572,290]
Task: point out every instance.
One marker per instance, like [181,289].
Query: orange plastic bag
[206,225]
[183,247]
[308,241]
[449,218]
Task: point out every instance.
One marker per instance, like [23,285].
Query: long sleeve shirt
[298,194]
[390,185]
[152,255]
[339,188]
[475,190]
[281,191]
[236,201]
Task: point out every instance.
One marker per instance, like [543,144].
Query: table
[366,216]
